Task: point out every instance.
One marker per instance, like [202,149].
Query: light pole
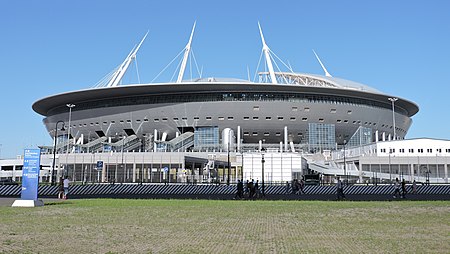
[229,168]
[390,172]
[393,100]
[54,150]
[262,167]
[345,164]
[70,106]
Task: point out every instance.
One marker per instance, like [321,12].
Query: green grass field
[204,226]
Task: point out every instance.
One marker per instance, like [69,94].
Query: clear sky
[47,47]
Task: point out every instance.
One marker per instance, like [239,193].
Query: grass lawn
[210,226]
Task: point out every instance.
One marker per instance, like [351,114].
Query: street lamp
[393,100]
[345,164]
[229,168]
[262,167]
[54,150]
[70,106]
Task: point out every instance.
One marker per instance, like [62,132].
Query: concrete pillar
[285,138]
[383,136]
[411,177]
[260,145]
[376,136]
[389,137]
[446,173]
[238,138]
[281,147]
[155,138]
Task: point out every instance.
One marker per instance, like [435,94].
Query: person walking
[396,188]
[61,188]
[414,187]
[403,188]
[340,189]
[256,193]
[288,187]
[66,187]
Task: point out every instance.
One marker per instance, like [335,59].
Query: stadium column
[446,172]
[285,138]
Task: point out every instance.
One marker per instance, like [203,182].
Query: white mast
[124,66]
[321,64]
[266,51]
[187,49]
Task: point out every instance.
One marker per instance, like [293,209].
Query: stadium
[306,112]
[281,127]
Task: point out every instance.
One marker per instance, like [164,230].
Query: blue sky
[48,47]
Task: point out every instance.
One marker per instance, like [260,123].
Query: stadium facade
[215,124]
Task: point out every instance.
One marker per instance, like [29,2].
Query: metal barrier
[354,192]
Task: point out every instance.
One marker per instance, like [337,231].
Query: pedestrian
[396,188]
[247,189]
[302,186]
[257,194]
[414,187]
[252,189]
[288,187]
[61,188]
[403,188]
[239,190]
[339,189]
[66,187]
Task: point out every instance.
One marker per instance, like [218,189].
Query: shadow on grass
[58,203]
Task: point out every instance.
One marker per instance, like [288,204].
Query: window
[164,119]
[268,118]
[304,119]
[278,134]
[230,118]
[411,150]
[429,150]
[420,150]
[266,134]
[221,118]
[306,109]
[439,150]
[294,109]
[184,118]
[256,108]
[320,120]
[447,150]
[346,121]
[391,150]
[339,121]
[349,112]
[128,121]
[383,150]
[255,118]
[292,119]
[254,133]
[246,118]
[208,118]
[196,118]
[246,133]
[145,120]
[280,118]
[156,120]
[105,123]
[402,150]
[175,119]
[333,111]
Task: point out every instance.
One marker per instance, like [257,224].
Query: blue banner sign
[100,165]
[30,174]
